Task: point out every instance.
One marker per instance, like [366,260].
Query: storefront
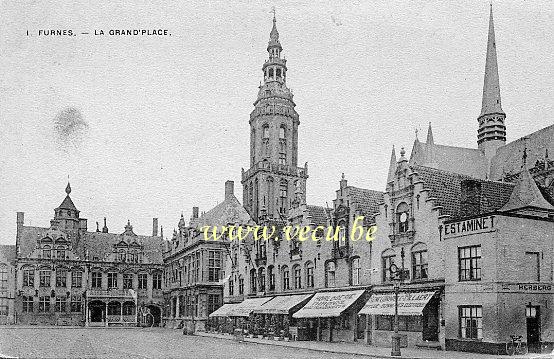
[242,317]
[276,316]
[418,318]
[333,315]
[220,320]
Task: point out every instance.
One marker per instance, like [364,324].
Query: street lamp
[397,276]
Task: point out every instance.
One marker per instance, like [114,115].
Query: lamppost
[397,275]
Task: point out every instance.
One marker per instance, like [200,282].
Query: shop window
[330,274]
[532,267]
[469,263]
[356,271]
[96,280]
[114,308]
[384,322]
[128,308]
[28,277]
[142,280]
[419,262]
[60,304]
[471,322]
[127,281]
[309,275]
[387,259]
[61,277]
[286,278]
[112,280]
[44,277]
[27,304]
[406,323]
[76,278]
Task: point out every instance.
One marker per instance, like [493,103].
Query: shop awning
[409,303]
[223,311]
[328,304]
[247,306]
[282,304]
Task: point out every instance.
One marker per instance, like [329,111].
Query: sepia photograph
[277,179]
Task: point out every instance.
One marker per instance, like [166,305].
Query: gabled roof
[318,214]
[228,211]
[446,188]
[526,194]
[367,201]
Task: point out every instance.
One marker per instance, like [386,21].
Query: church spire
[392,166]
[492,131]
[430,140]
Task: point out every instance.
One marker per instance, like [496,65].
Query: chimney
[105,228]
[154,227]
[194,212]
[470,198]
[229,189]
[20,221]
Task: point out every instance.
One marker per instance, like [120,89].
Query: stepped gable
[446,188]
[367,202]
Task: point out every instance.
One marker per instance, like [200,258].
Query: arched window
[387,259]
[297,273]
[60,252]
[47,252]
[241,285]
[330,274]
[286,278]
[419,261]
[278,73]
[261,278]
[128,308]
[402,216]
[271,277]
[271,73]
[309,274]
[282,132]
[283,189]
[253,281]
[265,131]
[114,308]
[356,271]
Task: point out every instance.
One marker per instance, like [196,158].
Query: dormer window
[60,253]
[46,252]
[122,256]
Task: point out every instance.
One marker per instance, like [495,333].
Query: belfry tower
[269,185]
[492,131]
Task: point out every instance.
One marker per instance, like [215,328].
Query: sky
[150,126]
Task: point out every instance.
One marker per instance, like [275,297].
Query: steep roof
[526,194]
[318,214]
[7,253]
[228,211]
[446,188]
[367,201]
[491,85]
[466,161]
[67,203]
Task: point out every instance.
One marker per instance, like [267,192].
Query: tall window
[3,276]
[142,280]
[46,252]
[297,275]
[241,285]
[265,131]
[253,281]
[387,260]
[44,277]
[309,275]
[76,303]
[402,215]
[330,274]
[471,322]
[469,263]
[44,304]
[128,281]
[283,197]
[214,265]
[121,255]
[261,278]
[60,304]
[60,253]
[112,280]
[61,277]
[29,277]
[213,303]
[356,271]
[532,267]
[286,278]
[96,280]
[231,287]
[419,262]
[271,277]
[262,249]
[76,278]
[157,281]
[27,304]
[282,158]
[282,132]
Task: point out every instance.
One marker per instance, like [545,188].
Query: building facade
[7,284]
[66,275]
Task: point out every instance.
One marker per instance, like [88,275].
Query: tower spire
[392,166]
[430,140]
[492,131]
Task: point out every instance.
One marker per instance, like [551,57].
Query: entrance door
[361,327]
[430,321]
[533,328]
[96,311]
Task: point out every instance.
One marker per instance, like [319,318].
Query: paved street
[136,343]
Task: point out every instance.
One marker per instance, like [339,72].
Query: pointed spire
[392,166]
[68,188]
[491,87]
[274,34]
[526,194]
[430,140]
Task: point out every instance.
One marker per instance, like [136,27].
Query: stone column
[177,311]
[106,314]
[121,312]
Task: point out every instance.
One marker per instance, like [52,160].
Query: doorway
[430,320]
[96,310]
[533,319]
